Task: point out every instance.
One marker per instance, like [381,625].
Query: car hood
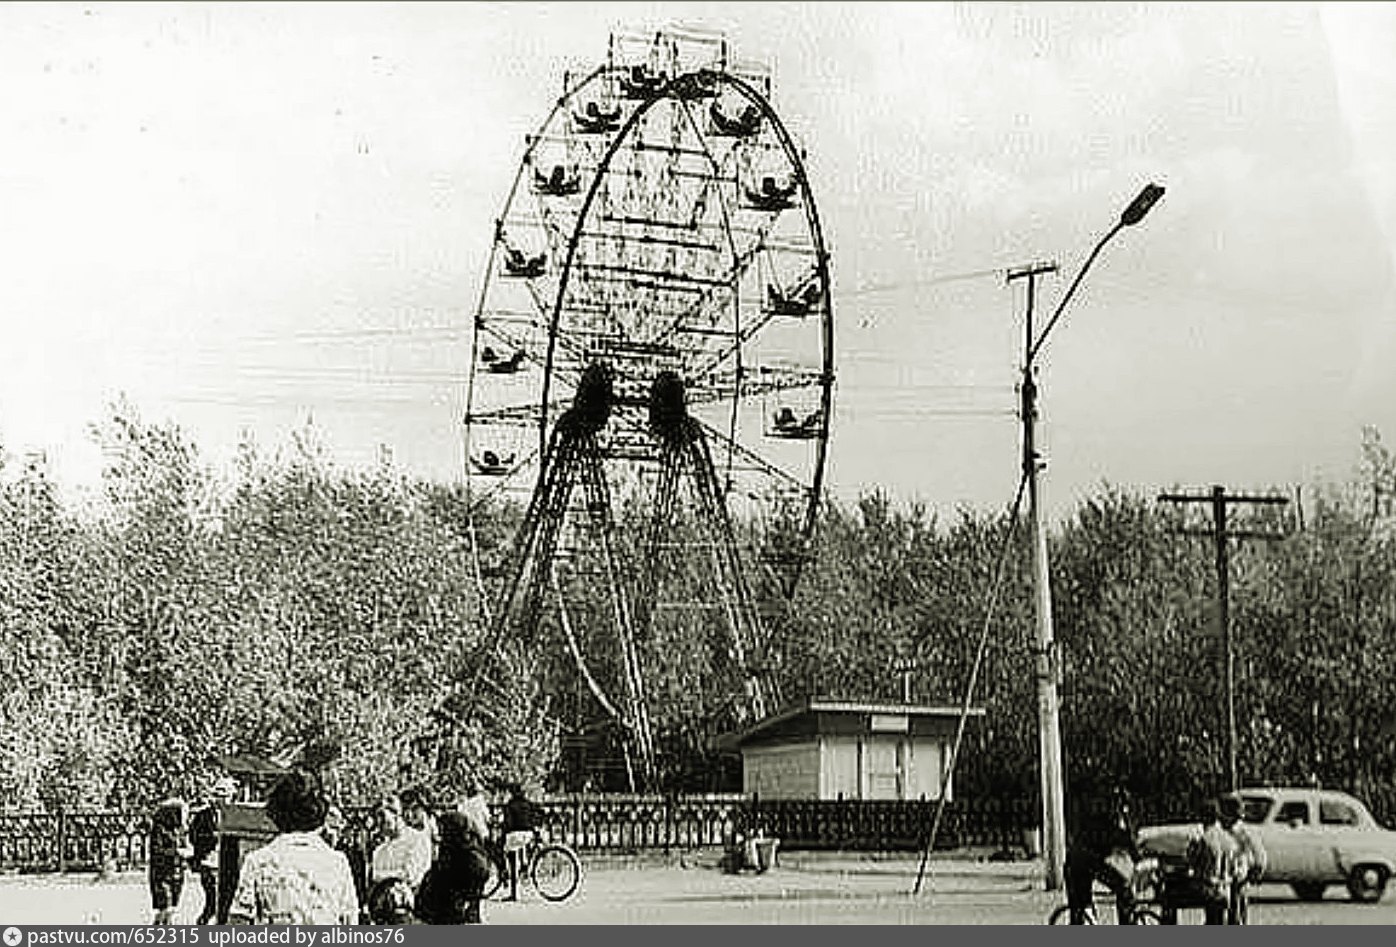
[1168,841]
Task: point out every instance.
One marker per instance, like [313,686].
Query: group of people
[1225,860]
[186,837]
[426,868]
[421,868]
[1221,863]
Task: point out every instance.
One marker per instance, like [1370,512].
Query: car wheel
[1309,890]
[1367,883]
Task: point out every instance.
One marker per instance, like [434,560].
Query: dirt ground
[802,890]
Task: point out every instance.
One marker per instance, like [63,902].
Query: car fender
[1349,857]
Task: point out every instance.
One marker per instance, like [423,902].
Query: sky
[249,217]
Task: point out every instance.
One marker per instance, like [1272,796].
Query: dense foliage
[289,604]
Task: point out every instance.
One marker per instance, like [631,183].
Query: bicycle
[553,869]
[1146,885]
[1140,916]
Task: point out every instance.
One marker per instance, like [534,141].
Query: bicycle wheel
[1147,917]
[1062,915]
[556,872]
[499,873]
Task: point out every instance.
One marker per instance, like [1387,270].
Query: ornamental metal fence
[73,840]
[594,824]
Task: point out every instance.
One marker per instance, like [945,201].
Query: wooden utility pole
[1221,534]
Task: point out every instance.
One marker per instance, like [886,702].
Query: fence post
[62,833]
[668,820]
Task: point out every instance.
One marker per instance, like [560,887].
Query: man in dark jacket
[1103,850]
[204,820]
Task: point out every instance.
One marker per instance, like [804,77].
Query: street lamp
[1047,664]
[1134,213]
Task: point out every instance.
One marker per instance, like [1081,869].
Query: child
[169,852]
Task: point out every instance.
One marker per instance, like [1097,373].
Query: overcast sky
[247,215]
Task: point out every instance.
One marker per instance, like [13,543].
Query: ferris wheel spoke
[754,382]
[514,415]
[740,338]
[593,685]
[752,457]
[709,301]
[723,288]
[660,517]
[744,624]
[681,243]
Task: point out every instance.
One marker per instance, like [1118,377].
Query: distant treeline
[183,614]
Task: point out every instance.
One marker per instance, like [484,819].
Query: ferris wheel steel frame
[568,453]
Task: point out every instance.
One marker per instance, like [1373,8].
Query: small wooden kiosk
[243,824]
[824,748]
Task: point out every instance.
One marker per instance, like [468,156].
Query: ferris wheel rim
[811,483]
[491,257]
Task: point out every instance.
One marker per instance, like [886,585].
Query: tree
[63,736]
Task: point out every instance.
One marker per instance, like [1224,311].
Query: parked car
[1313,838]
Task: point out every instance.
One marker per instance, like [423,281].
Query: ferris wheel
[652,369]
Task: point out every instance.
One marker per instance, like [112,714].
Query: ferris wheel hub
[591,405]
[668,404]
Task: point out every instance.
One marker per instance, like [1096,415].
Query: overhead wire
[402,385]
[870,288]
[994,592]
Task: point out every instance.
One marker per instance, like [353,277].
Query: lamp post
[1047,665]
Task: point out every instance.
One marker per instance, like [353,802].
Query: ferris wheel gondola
[744,125]
[772,195]
[594,120]
[560,182]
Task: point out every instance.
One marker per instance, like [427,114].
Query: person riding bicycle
[521,819]
[1107,853]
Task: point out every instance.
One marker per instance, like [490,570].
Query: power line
[291,398]
[912,284]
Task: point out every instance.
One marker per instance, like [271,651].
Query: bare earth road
[803,890]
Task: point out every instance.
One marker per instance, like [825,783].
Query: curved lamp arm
[1134,213]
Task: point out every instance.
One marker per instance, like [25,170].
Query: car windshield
[1255,808]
